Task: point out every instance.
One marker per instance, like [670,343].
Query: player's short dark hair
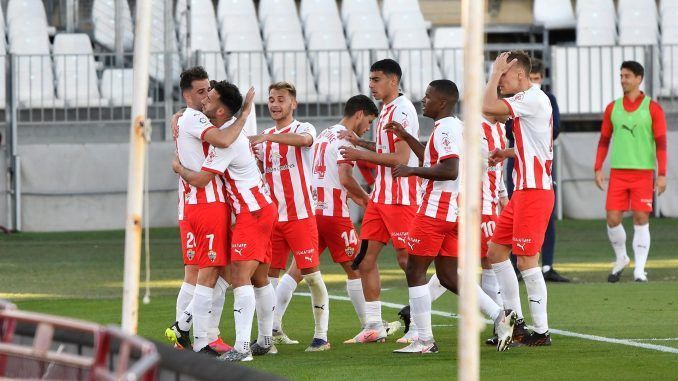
[229,95]
[523,58]
[388,67]
[634,67]
[284,86]
[447,89]
[360,103]
[537,67]
[191,74]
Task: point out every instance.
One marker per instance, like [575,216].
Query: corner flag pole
[135,179]
[473,14]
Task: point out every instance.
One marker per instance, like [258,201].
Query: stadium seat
[250,69]
[242,42]
[117,85]
[326,41]
[406,20]
[411,39]
[20,9]
[554,14]
[75,68]
[448,43]
[585,6]
[323,22]
[419,69]
[239,24]
[285,41]
[157,60]
[638,35]
[390,7]
[277,7]
[204,46]
[633,6]
[103,19]
[361,22]
[276,24]
[326,7]
[351,7]
[337,83]
[235,8]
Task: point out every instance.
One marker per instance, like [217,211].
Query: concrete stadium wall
[82,186]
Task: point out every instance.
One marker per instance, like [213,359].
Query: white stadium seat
[157,60]
[309,7]
[337,83]
[117,85]
[351,7]
[246,70]
[322,22]
[277,24]
[103,19]
[448,43]
[326,41]
[75,68]
[360,22]
[297,74]
[239,24]
[585,6]
[596,36]
[638,35]
[448,37]
[276,7]
[243,42]
[390,7]
[554,14]
[406,20]
[235,8]
[644,6]
[419,69]
[20,9]
[411,39]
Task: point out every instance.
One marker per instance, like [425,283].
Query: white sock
[641,248]
[184,298]
[283,295]
[202,305]
[243,313]
[435,289]
[265,304]
[273,280]
[218,299]
[354,288]
[508,284]
[420,310]
[373,315]
[487,305]
[320,302]
[488,282]
[537,296]
[617,236]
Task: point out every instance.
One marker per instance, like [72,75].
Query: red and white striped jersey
[440,197]
[533,131]
[331,196]
[493,137]
[192,126]
[287,171]
[245,187]
[403,190]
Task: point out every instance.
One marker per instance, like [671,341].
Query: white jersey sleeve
[408,119]
[196,124]
[446,143]
[305,128]
[218,159]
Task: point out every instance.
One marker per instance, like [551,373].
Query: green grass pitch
[596,325]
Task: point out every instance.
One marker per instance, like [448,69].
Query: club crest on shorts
[212,255]
[349,251]
[190,254]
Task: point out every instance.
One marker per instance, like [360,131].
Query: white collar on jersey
[276,130]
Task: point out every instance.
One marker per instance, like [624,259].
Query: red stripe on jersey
[381,197]
[443,205]
[491,175]
[302,177]
[200,195]
[433,161]
[286,179]
[338,203]
[395,182]
[269,175]
[520,156]
[549,167]
[236,194]
[261,199]
[427,195]
[500,133]
[320,197]
[538,173]
[412,182]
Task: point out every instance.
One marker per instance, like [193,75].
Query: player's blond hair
[284,86]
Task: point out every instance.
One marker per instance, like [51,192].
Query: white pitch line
[627,342]
[657,339]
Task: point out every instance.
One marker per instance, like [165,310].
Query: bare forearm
[354,189]
[296,140]
[492,105]
[436,172]
[197,179]
[387,159]
[366,144]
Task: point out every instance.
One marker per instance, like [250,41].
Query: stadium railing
[37,346]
